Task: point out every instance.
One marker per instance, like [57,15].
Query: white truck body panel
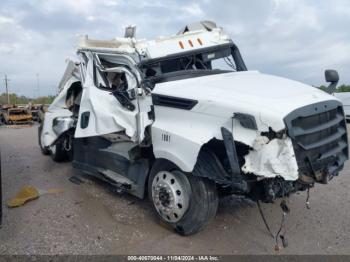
[267,98]
[189,41]
[219,97]
[250,92]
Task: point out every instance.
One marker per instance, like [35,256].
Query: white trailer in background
[344,97]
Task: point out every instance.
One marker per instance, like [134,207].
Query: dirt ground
[90,219]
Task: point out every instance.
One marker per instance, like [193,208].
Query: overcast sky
[291,38]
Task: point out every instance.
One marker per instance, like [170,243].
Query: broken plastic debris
[271,158]
[28,193]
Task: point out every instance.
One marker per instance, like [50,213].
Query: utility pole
[7,91]
[37,84]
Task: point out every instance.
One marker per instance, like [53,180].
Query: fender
[186,145]
[178,134]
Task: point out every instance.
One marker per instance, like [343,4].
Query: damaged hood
[268,98]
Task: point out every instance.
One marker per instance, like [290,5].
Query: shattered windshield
[199,63]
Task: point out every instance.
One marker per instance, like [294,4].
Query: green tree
[341,88]
[15,99]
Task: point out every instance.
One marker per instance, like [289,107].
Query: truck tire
[44,150]
[58,153]
[184,202]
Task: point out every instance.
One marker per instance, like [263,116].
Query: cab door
[110,100]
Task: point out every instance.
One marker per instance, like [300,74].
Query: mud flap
[237,181]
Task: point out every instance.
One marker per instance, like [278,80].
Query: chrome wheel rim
[169,196]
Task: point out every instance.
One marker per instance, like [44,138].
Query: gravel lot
[90,219]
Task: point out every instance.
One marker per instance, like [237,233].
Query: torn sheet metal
[62,124]
[106,114]
[72,69]
[58,108]
[272,158]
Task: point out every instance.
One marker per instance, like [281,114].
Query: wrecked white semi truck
[181,119]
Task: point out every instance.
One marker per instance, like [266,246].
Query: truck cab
[182,120]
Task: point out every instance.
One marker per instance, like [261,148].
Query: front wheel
[185,202]
[58,151]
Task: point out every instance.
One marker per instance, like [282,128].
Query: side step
[121,183]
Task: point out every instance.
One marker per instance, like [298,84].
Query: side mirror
[331,76]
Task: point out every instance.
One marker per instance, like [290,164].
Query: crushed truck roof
[161,46]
